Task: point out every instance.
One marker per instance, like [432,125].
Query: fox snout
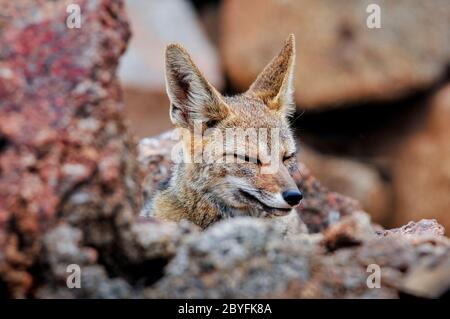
[287,198]
[281,184]
[292,196]
[273,199]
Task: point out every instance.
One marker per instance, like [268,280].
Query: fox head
[246,148]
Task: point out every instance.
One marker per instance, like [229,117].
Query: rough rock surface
[424,227]
[245,258]
[240,258]
[65,153]
[421,166]
[339,59]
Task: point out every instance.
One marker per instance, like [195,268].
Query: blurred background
[373,104]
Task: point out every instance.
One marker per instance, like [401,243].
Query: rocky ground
[72,181]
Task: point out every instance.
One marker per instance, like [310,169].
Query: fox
[204,193]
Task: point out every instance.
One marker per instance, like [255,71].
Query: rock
[339,59]
[65,153]
[153,239]
[320,207]
[63,246]
[240,258]
[351,231]
[428,280]
[246,258]
[343,274]
[423,227]
[94,284]
[352,178]
[155,24]
[149,245]
[154,155]
[421,166]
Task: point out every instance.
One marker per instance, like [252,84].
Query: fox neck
[190,202]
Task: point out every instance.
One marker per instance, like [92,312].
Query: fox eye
[288,157]
[248,159]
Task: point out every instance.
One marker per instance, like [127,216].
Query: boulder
[340,60]
[353,178]
[239,258]
[246,258]
[421,166]
[65,153]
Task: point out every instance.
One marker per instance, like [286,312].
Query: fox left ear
[191,96]
[275,84]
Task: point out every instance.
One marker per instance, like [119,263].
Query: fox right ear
[275,84]
[191,96]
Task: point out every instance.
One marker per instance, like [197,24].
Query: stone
[421,166]
[428,279]
[65,153]
[352,178]
[424,227]
[340,61]
[246,258]
[240,258]
[350,231]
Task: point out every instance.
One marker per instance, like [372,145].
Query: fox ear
[191,96]
[275,84]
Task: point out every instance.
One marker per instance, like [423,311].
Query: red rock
[64,150]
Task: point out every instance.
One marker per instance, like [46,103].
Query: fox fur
[205,193]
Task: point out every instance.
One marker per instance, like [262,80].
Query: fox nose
[292,196]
